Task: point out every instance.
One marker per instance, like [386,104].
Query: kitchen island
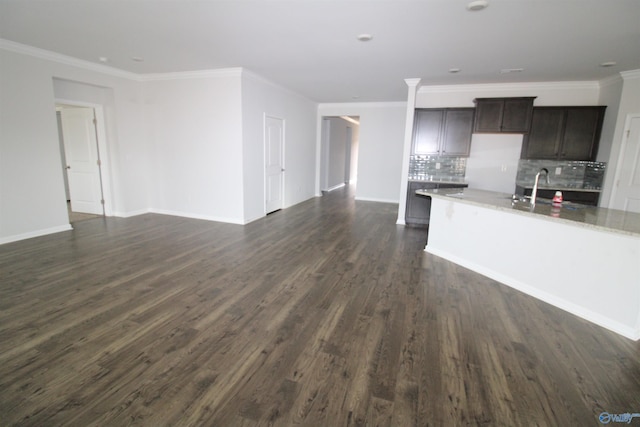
[418,207]
[585,260]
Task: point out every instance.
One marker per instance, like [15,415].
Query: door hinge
[95,122]
[102,201]
[98,162]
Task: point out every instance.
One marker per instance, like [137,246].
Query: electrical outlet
[437,165]
[558,170]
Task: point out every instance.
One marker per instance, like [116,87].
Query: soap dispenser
[557,199]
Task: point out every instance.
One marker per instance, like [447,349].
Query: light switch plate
[558,170]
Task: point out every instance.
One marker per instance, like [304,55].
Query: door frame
[623,149]
[264,159]
[103,149]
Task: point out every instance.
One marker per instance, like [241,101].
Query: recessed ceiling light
[477,5]
[365,37]
[103,59]
[609,64]
[454,70]
[511,70]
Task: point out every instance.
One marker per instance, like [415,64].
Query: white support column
[413,85]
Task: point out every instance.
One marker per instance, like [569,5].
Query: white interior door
[274,163]
[626,192]
[81,151]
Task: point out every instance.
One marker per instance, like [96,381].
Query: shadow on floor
[78,216]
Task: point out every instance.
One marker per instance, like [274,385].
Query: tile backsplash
[572,174]
[425,167]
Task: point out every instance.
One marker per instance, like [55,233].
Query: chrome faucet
[534,192]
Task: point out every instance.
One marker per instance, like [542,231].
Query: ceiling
[311,46]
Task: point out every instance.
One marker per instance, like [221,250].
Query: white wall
[493,162]
[195,141]
[259,98]
[610,94]
[380,146]
[547,94]
[32,197]
[31,178]
[188,143]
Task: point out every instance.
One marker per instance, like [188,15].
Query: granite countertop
[441,180]
[545,186]
[610,220]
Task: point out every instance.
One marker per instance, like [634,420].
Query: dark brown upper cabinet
[442,131]
[564,133]
[503,115]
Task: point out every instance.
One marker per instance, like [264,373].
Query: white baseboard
[131,213]
[198,216]
[373,199]
[36,233]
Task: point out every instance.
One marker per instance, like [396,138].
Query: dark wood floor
[78,216]
[323,314]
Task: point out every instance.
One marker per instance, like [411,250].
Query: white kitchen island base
[581,268]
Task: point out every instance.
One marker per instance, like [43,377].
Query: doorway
[339,151]
[81,161]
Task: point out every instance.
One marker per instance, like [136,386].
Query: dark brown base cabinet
[418,208]
[564,133]
[589,198]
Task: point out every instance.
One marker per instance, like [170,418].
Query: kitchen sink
[521,200]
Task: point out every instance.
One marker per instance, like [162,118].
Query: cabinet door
[516,116]
[456,137]
[488,115]
[426,134]
[581,134]
[418,207]
[543,141]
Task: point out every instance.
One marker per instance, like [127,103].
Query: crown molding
[66,60]
[631,74]
[111,71]
[402,104]
[611,80]
[497,87]
[413,82]
[186,75]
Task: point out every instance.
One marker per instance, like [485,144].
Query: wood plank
[325,313]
